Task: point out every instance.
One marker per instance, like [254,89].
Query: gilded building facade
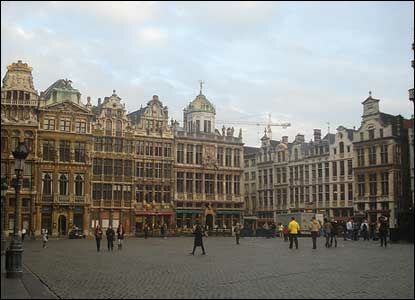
[63,167]
[208,170]
[19,122]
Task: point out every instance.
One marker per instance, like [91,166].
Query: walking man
[293,229]
[383,231]
[237,233]
[198,232]
[120,236]
[110,237]
[328,228]
[349,227]
[334,232]
[98,236]
[314,228]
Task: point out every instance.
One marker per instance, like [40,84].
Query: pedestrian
[120,236]
[198,242]
[356,227]
[334,232]
[23,233]
[237,231]
[280,230]
[364,230]
[344,227]
[314,229]
[110,237]
[286,233]
[383,231]
[98,236]
[146,231]
[162,231]
[349,227]
[44,237]
[294,230]
[327,231]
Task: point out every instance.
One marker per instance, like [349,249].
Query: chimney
[300,138]
[285,139]
[317,135]
[99,101]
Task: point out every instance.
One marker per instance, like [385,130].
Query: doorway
[62,225]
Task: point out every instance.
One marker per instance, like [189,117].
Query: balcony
[63,198]
[79,199]
[47,198]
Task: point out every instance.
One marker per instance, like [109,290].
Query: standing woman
[198,239]
[328,228]
[120,236]
[98,236]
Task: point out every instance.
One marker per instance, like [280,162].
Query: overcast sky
[307,63]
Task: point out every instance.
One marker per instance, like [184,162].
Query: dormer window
[371,134]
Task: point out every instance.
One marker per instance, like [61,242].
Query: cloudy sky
[307,63]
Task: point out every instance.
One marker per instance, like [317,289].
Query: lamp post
[15,251]
[4,188]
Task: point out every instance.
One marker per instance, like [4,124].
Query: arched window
[118,128]
[108,127]
[79,185]
[47,184]
[4,141]
[15,139]
[63,185]
[341,147]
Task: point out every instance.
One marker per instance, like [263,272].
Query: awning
[227,212]
[188,211]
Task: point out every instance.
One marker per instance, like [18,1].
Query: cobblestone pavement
[257,268]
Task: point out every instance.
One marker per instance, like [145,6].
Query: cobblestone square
[257,268]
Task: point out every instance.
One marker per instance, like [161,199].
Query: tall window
[157,170]
[4,141]
[158,149]
[117,192]
[237,158]
[229,184]
[96,191]
[107,166]
[64,125]
[80,150]
[341,147]
[98,143]
[372,184]
[128,146]
[219,184]
[189,183]
[334,192]
[372,155]
[79,185]
[180,153]
[107,191]
[167,150]
[140,147]
[97,166]
[63,184]
[349,167]
[167,194]
[361,157]
[198,154]
[158,193]
[198,182]
[219,156]
[313,171]
[385,183]
[139,193]
[189,154]
[167,170]
[342,168]
[118,128]
[48,150]
[47,183]
[108,127]
[350,191]
[334,168]
[342,192]
[209,183]
[384,154]
[371,134]
[320,170]
[139,169]
[180,182]
[361,185]
[118,144]
[118,167]
[128,168]
[28,139]
[381,132]
[228,157]
[237,184]
[149,170]
[327,190]
[64,151]
[108,144]
[127,193]
[326,170]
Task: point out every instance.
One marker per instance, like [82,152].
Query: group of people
[110,234]
[331,230]
[148,229]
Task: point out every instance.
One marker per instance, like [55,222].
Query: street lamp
[14,253]
[4,188]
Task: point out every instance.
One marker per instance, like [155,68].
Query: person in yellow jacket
[293,229]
